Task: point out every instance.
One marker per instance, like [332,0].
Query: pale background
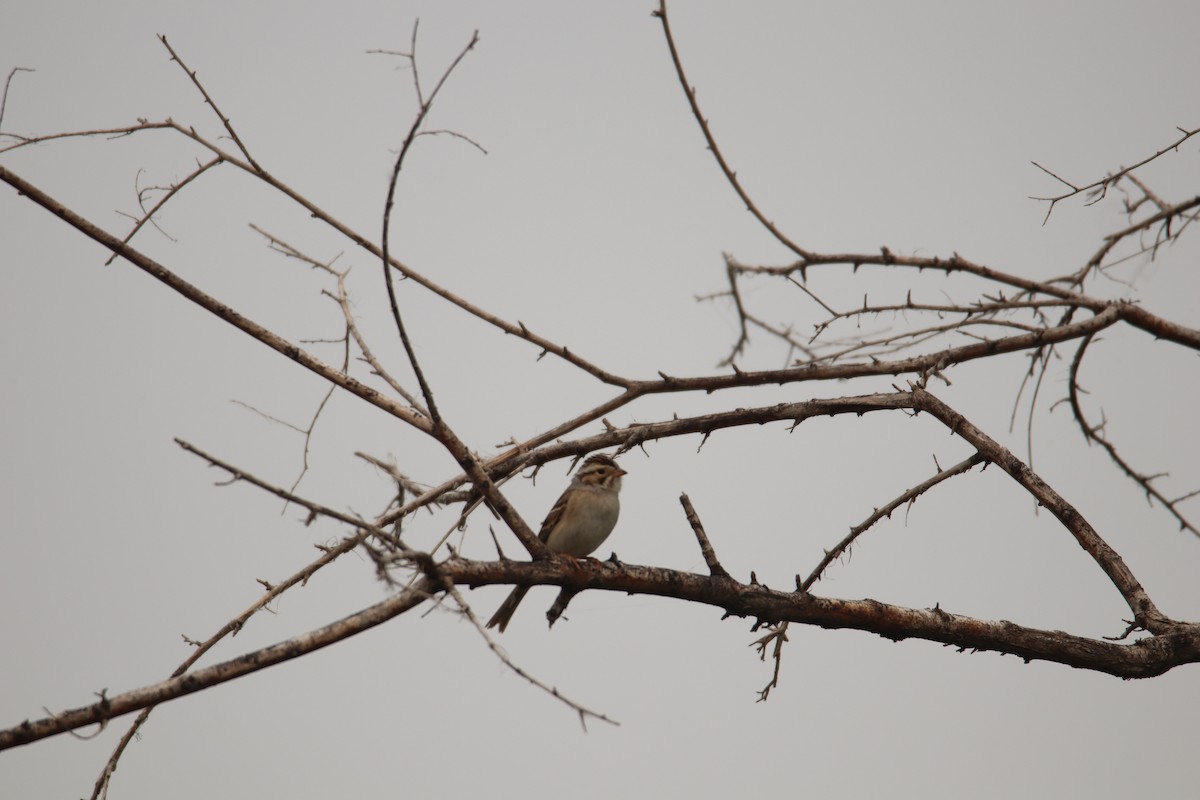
[595,218]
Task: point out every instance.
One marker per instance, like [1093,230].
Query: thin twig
[424,108]
[288,495]
[174,189]
[884,511]
[211,103]
[1102,184]
[777,635]
[706,549]
[342,298]
[583,712]
[1092,434]
[730,175]
[440,429]
[7,84]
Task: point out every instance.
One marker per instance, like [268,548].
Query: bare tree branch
[1099,188]
[4,96]
[191,73]
[1093,434]
[1010,314]
[148,214]
[211,304]
[112,707]
[884,511]
[1144,658]
[1146,614]
[730,175]
[706,549]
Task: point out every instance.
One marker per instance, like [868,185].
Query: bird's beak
[621,472]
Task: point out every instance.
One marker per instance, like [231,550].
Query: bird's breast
[585,526]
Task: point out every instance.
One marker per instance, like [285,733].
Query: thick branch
[1144,658]
[1145,612]
[1160,328]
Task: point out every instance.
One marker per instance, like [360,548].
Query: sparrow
[579,522]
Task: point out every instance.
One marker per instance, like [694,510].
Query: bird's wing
[551,520]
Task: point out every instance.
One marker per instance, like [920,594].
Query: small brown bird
[578,523]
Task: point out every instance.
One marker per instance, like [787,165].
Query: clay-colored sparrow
[578,523]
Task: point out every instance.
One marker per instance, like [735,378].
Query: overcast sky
[595,217]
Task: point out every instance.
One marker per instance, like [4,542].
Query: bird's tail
[505,611]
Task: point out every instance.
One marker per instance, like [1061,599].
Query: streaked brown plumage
[579,522]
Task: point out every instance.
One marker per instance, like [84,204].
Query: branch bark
[188,683]
[1145,658]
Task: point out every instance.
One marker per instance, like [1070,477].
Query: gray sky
[595,217]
